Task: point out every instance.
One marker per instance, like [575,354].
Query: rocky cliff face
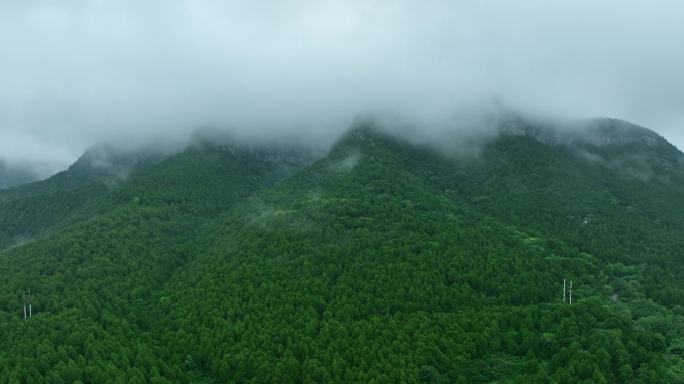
[602,132]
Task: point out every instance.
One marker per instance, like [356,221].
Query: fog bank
[74,73]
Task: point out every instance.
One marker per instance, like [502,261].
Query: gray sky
[76,72]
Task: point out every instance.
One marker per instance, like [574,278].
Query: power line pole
[564,290]
[570,291]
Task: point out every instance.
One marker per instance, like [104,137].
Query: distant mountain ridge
[30,209]
[13,175]
[599,132]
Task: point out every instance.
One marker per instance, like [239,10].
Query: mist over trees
[304,191]
[384,260]
[75,74]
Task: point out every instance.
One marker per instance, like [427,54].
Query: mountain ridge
[383,260]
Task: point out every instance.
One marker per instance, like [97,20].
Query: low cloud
[74,73]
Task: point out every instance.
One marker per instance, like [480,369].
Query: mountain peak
[369,128]
[111,164]
[597,132]
[609,131]
[267,151]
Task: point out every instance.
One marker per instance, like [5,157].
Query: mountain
[381,261]
[28,210]
[15,175]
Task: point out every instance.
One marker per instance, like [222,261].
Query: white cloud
[76,72]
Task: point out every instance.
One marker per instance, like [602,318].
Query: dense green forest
[384,261]
[28,211]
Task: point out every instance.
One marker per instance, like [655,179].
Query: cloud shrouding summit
[76,72]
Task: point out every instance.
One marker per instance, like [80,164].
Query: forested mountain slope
[30,209]
[603,186]
[616,192]
[384,261]
[92,282]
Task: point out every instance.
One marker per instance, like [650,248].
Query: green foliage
[382,262]
[29,210]
[22,219]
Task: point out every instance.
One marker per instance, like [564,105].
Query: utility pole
[564,290]
[570,291]
[29,302]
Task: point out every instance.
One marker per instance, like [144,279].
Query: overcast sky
[73,73]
